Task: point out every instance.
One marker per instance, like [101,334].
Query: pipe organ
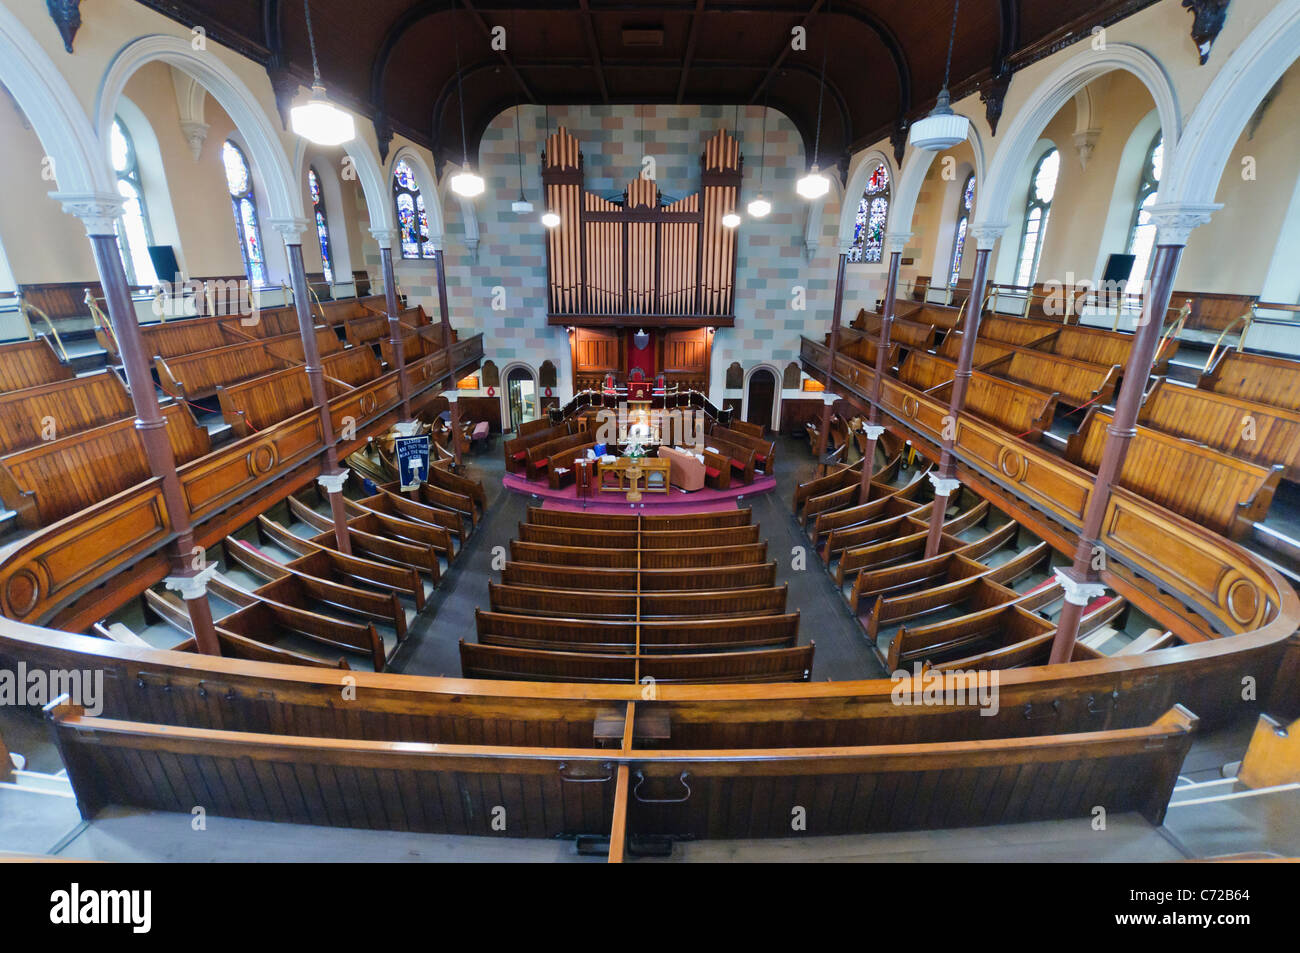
[641,261]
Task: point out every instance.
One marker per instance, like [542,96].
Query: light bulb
[550,219]
[760,207]
[467,183]
[813,185]
[731,220]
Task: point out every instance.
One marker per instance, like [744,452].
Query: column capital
[986,234]
[829,399]
[98,211]
[333,482]
[896,241]
[386,237]
[451,395]
[191,587]
[944,486]
[843,247]
[1174,221]
[1079,593]
[873,431]
[290,229]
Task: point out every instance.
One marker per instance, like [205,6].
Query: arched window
[322,226]
[1142,236]
[965,203]
[239,180]
[1042,187]
[412,219]
[873,212]
[134,236]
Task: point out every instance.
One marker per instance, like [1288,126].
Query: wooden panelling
[50,411]
[30,364]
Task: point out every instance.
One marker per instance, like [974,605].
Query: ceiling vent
[643,36]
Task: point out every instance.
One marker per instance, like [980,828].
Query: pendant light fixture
[318,120]
[814,185]
[550,218]
[522,206]
[464,183]
[943,128]
[760,207]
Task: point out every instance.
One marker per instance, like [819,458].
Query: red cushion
[521,455]
[542,462]
[737,465]
[760,457]
[712,471]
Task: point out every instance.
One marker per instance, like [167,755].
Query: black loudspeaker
[1118,269]
[164,261]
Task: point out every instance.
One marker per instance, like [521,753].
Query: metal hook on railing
[640,780]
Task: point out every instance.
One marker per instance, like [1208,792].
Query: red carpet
[675,501]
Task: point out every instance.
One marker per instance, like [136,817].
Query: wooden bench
[1017,332]
[61,409]
[1217,490]
[1024,412]
[539,516]
[354,367]
[695,603]
[656,636]
[764,449]
[538,455]
[1005,624]
[288,347]
[370,537]
[649,559]
[194,376]
[266,400]
[1265,380]
[1212,311]
[1076,381]
[759,665]
[882,787]
[843,517]
[1260,433]
[902,541]
[31,364]
[398,504]
[590,578]
[739,458]
[57,478]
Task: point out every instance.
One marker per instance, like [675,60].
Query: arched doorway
[760,397]
[521,396]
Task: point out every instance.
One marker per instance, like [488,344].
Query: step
[35,782]
[1280,550]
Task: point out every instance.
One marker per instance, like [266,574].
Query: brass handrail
[101,322]
[1172,331]
[1246,320]
[26,310]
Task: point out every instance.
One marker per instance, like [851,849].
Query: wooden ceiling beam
[589,31]
[691,38]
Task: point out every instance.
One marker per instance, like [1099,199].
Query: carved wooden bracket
[1208,17]
[383,134]
[992,95]
[285,86]
[66,15]
[898,139]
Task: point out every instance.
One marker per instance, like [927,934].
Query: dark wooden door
[762,391]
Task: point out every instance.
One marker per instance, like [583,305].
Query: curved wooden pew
[658,636]
[1256,377]
[879,495]
[370,538]
[704,604]
[541,576]
[756,665]
[901,540]
[61,408]
[31,364]
[1220,491]
[722,519]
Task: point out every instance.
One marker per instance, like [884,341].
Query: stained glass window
[873,213]
[1038,210]
[1142,236]
[239,180]
[322,226]
[412,218]
[965,204]
[134,236]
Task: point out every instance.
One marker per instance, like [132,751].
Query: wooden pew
[627,558]
[442,478]
[901,541]
[625,539]
[921,573]
[912,335]
[753,430]
[1213,311]
[1002,623]
[337,592]
[397,504]
[432,495]
[539,516]
[354,367]
[400,526]
[1036,649]
[764,450]
[893,514]
[657,636]
[370,538]
[264,401]
[845,517]
[1265,380]
[1076,381]
[846,489]
[66,407]
[1016,332]
[869,789]
[542,576]
[1094,346]
[1021,411]
[257,646]
[759,665]
[327,563]
[577,603]
[31,364]
[1215,489]
[194,376]
[835,480]
[1260,433]
[538,455]
[741,459]
[51,480]
[285,607]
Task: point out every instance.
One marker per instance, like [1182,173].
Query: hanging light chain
[311,40]
[460,87]
[821,94]
[952,37]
